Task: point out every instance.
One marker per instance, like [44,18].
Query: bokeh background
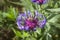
[9,10]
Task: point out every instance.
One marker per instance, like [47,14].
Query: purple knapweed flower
[39,1]
[27,21]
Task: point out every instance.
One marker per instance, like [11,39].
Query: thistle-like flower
[39,1]
[27,21]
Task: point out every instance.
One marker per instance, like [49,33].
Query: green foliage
[51,10]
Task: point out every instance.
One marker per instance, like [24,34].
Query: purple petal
[18,23]
[29,13]
[40,1]
[21,17]
[36,13]
[33,0]
[27,28]
[21,27]
[34,29]
[42,23]
[20,20]
[23,14]
[25,24]
[45,1]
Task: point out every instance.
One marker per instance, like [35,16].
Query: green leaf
[56,5]
[31,38]
[18,33]
[16,3]
[54,19]
[22,34]
[47,28]
[27,4]
[11,13]
[38,31]
[48,37]
[25,34]
[54,10]
[56,25]
[44,6]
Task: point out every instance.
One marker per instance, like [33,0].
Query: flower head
[39,1]
[27,21]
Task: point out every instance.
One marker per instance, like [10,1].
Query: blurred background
[9,10]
